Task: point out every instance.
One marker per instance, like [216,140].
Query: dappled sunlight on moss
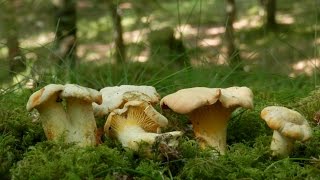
[135,36]
[285,19]
[212,42]
[317,41]
[38,40]
[95,51]
[309,67]
[94,29]
[249,22]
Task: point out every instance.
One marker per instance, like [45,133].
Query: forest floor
[281,68]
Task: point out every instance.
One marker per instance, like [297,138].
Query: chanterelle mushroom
[288,126]
[52,114]
[83,128]
[77,124]
[137,121]
[209,110]
[115,97]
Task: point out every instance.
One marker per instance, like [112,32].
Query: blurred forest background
[58,37]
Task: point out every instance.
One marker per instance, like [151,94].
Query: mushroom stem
[82,120]
[53,118]
[210,125]
[130,134]
[280,145]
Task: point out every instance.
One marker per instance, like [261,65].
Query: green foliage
[48,160]
[291,169]
[18,132]
[239,162]
[246,125]
[310,148]
[16,121]
[309,105]
[8,153]
[244,162]
[189,148]
[150,170]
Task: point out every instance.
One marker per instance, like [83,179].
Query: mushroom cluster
[73,124]
[132,118]
[209,110]
[68,112]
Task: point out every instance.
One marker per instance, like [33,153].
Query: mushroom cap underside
[137,113]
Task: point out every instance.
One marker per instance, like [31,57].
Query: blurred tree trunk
[232,51]
[16,59]
[118,31]
[66,31]
[270,7]
[166,49]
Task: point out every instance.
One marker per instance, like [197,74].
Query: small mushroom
[288,126]
[52,114]
[115,97]
[209,110]
[83,128]
[137,121]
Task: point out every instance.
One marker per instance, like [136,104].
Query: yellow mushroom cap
[185,101]
[115,97]
[42,95]
[287,122]
[83,93]
[236,96]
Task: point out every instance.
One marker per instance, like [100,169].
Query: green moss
[149,169]
[242,162]
[18,132]
[49,160]
[309,105]
[246,126]
[8,153]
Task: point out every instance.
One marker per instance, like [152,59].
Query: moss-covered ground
[25,153]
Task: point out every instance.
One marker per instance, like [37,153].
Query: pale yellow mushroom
[288,126]
[209,110]
[137,122]
[52,114]
[115,97]
[83,128]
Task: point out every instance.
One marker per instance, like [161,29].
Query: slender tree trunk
[270,7]
[118,32]
[66,32]
[232,50]
[16,59]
